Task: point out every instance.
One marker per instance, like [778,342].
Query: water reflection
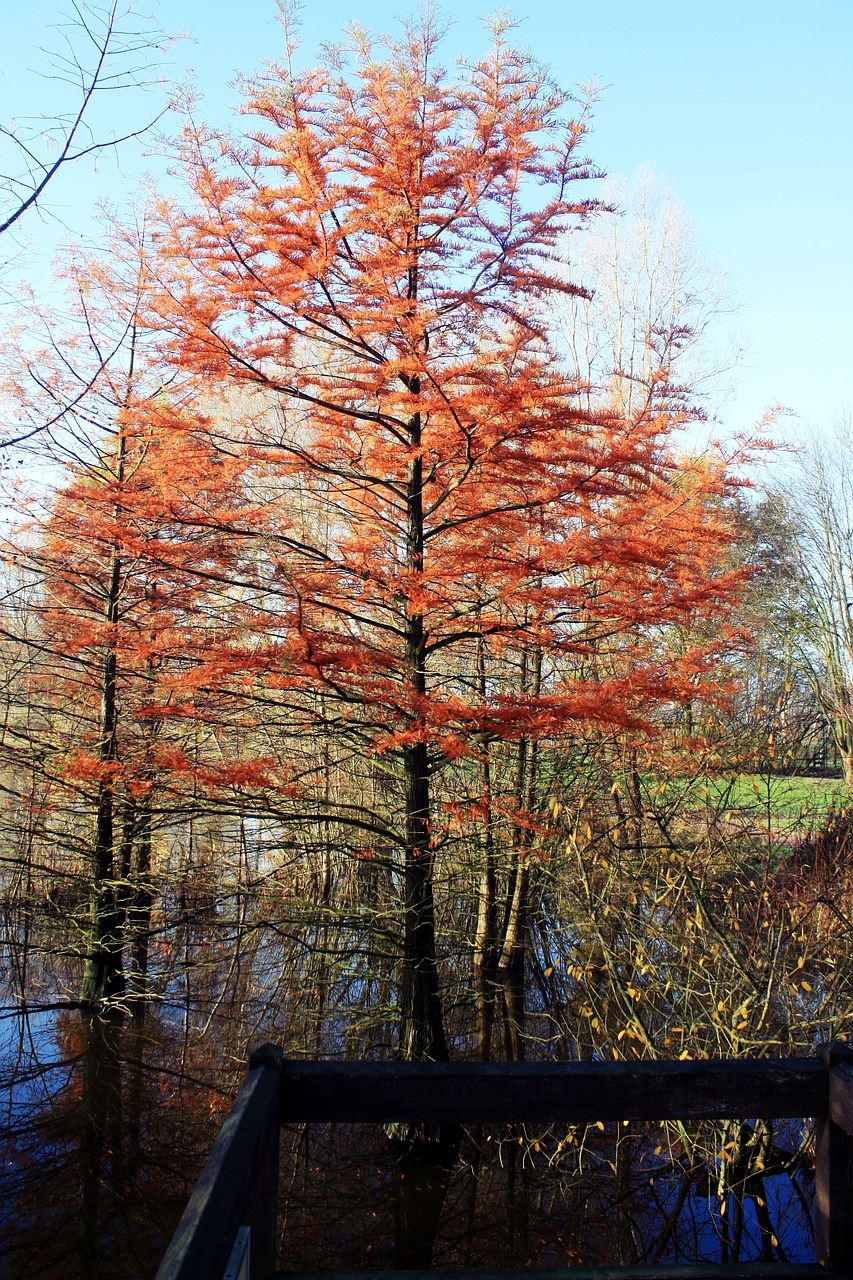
[422,1159]
[516,1198]
[107,1121]
[102,1139]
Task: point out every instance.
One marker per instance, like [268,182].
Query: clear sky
[744,106]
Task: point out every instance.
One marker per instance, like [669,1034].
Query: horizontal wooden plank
[572,1092]
[707,1271]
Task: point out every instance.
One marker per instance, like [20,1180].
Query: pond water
[107,1123]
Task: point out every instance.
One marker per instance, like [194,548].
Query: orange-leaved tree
[124,568]
[378,257]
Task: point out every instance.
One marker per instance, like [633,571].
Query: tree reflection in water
[106,1129]
[515,1199]
[108,1121]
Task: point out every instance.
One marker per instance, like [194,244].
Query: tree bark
[511,964]
[422,1025]
[485,956]
[103,978]
[139,915]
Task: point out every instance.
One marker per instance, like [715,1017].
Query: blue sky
[745,109]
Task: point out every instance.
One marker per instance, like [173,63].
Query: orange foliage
[377,256]
[130,552]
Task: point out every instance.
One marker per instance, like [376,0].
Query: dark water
[108,1132]
[100,1137]
[514,1199]
[106,1124]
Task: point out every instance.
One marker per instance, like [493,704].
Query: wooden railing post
[834,1164]
[238,1186]
[265,1194]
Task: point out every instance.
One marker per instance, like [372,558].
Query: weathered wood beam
[700,1271]
[571,1093]
[238,1185]
[834,1165]
[841,1091]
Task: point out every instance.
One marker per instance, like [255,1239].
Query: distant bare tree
[821,496]
[101,50]
[653,299]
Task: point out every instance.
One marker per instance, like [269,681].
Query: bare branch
[103,52]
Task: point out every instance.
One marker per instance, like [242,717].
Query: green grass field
[770,796]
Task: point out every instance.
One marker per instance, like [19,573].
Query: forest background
[407,648]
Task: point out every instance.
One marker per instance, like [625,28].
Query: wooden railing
[238,1185]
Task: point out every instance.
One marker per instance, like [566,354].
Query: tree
[820,504]
[774,720]
[652,303]
[118,598]
[642,344]
[101,52]
[379,257]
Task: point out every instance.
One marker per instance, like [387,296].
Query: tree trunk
[421,1169]
[103,978]
[422,1025]
[485,956]
[139,915]
[847,764]
[101,1114]
[511,965]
